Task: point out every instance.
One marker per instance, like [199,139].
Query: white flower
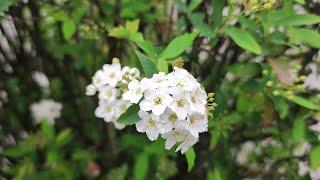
[197,123]
[108,93]
[159,80]
[197,99]
[98,79]
[301,148]
[171,120]
[48,110]
[313,79]
[181,79]
[156,100]
[135,92]
[105,110]
[112,73]
[314,173]
[150,124]
[91,90]
[41,79]
[180,105]
[315,127]
[174,136]
[247,148]
[303,168]
[188,142]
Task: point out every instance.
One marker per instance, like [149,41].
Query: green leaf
[215,175]
[119,32]
[315,157]
[141,167]
[190,156]
[178,45]
[243,39]
[64,137]
[147,47]
[193,5]
[300,1]
[130,116]
[149,67]
[303,102]
[307,36]
[162,65]
[216,16]
[299,129]
[132,26]
[299,19]
[68,29]
[215,135]
[4,5]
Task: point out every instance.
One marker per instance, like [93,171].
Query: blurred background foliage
[253,54]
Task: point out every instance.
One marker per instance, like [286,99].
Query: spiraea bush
[163,89]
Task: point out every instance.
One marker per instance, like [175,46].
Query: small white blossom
[174,136]
[188,142]
[197,99]
[315,127]
[313,79]
[47,109]
[246,150]
[180,105]
[180,79]
[108,93]
[303,168]
[41,79]
[105,110]
[301,148]
[91,90]
[98,79]
[314,173]
[150,124]
[135,92]
[112,73]
[171,120]
[158,81]
[197,123]
[156,100]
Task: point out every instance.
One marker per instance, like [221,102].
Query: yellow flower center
[193,99]
[112,75]
[157,100]
[172,117]
[151,122]
[180,103]
[107,108]
[192,119]
[109,93]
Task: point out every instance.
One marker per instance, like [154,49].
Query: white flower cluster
[172,105]
[46,109]
[107,83]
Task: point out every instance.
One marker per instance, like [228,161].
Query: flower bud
[91,90]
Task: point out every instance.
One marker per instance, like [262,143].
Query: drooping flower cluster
[46,109]
[109,83]
[172,105]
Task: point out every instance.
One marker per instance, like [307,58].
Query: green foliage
[190,156]
[254,55]
[148,66]
[178,45]
[130,116]
[244,39]
[315,157]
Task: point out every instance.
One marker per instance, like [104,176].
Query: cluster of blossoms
[173,106]
[110,82]
[46,109]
